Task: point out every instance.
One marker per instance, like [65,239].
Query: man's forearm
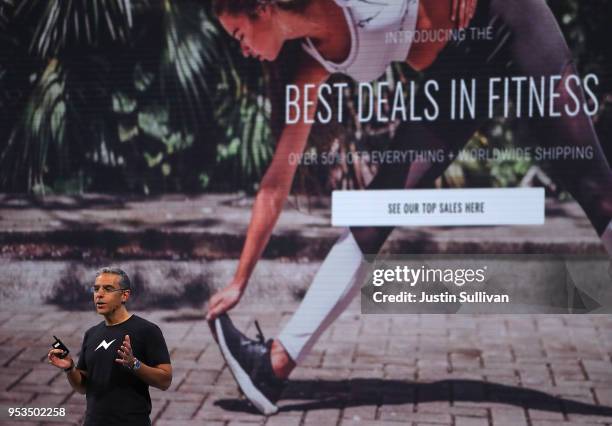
[160,378]
[77,380]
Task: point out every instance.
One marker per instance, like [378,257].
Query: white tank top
[380,32]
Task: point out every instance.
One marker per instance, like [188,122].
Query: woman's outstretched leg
[334,286]
[344,270]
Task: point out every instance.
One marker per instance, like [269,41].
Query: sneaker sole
[258,399]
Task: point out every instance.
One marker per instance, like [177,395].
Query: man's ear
[125,296]
[265,9]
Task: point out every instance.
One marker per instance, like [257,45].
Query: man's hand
[55,360]
[223,301]
[126,357]
[75,377]
[463,11]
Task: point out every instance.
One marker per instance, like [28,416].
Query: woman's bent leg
[536,48]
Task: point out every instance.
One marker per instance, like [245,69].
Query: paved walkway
[213,226]
[367,370]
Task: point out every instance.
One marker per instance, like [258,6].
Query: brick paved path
[367,370]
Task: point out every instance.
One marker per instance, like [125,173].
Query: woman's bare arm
[274,189]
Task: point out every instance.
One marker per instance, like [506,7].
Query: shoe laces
[260,335]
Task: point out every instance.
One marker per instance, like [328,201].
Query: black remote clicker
[58,344]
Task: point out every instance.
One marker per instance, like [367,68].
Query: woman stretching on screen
[351,37]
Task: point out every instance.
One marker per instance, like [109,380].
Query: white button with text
[438,207]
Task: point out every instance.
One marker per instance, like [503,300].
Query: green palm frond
[185,56]
[75,21]
[42,124]
[255,147]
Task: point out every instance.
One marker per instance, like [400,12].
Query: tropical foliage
[136,95]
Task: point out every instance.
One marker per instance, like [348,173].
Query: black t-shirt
[115,396]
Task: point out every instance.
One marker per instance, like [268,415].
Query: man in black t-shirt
[120,358]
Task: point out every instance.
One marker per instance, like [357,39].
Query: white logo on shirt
[104,344]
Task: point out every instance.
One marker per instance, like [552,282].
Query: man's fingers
[54,353]
[53,358]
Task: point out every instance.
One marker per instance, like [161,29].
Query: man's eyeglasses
[105,289]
